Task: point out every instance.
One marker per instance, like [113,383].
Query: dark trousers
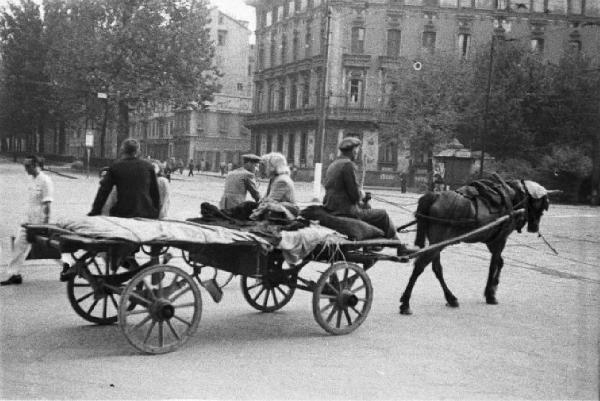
[380,219]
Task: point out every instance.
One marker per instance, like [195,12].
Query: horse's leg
[496,264]
[437,270]
[420,263]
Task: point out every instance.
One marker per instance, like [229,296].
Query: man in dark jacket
[343,196]
[137,188]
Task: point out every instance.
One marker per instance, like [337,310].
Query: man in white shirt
[40,195]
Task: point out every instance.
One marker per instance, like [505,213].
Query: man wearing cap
[240,181]
[343,194]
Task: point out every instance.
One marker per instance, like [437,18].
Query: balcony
[391,63]
[280,117]
[353,114]
[356,60]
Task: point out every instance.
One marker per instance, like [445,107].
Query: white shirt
[40,190]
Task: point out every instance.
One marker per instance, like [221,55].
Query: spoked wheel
[203,272]
[88,295]
[268,293]
[342,298]
[160,309]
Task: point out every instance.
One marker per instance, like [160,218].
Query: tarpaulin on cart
[140,230]
[295,245]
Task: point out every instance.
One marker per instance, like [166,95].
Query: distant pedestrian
[403,183]
[191,168]
[41,195]
[229,167]
[222,167]
[180,166]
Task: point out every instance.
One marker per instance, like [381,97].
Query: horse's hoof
[405,310]
[491,301]
[453,304]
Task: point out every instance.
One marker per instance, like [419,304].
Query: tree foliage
[137,51]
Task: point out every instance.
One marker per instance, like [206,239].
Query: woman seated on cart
[343,196]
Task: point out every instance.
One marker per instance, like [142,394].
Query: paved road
[540,342]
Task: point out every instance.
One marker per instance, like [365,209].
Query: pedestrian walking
[191,168]
[40,196]
[222,168]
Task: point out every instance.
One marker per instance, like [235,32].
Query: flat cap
[250,157]
[349,143]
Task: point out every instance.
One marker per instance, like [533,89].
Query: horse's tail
[421,214]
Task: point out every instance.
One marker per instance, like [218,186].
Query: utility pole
[487,104]
[324,88]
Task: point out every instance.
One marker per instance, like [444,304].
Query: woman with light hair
[281,186]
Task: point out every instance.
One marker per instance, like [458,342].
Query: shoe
[14,279]
[67,272]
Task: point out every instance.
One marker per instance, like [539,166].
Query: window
[537,45]
[221,18]
[429,41]
[295,46]
[500,4]
[279,13]
[291,148]
[281,98]
[485,4]
[280,143]
[303,146]
[576,6]
[222,37]
[257,144]
[293,94]
[354,92]
[465,3]
[413,2]
[537,6]
[273,51]
[258,102]
[261,56]
[240,87]
[464,44]
[306,93]
[393,43]
[268,18]
[308,43]
[358,40]
[269,143]
[223,123]
[291,8]
[448,3]
[283,48]
[592,8]
[557,6]
[387,152]
[271,98]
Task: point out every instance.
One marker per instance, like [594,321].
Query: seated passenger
[343,196]
[281,186]
[239,182]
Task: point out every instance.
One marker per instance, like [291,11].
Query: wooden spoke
[266,300]
[258,283]
[266,294]
[335,316]
[149,332]
[173,330]
[114,301]
[168,336]
[86,296]
[92,306]
[262,289]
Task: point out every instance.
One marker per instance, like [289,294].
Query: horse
[450,214]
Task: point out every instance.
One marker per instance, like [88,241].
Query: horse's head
[536,203]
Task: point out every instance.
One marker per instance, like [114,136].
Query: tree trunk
[103,132]
[123,122]
[595,182]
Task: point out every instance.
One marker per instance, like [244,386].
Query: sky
[234,8]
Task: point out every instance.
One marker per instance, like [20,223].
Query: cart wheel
[91,299]
[160,309]
[203,272]
[342,298]
[266,294]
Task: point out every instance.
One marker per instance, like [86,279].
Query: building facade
[324,68]
[215,135]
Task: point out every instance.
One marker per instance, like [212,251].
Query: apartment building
[324,67]
[216,134]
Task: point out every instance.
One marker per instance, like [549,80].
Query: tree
[428,103]
[24,85]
